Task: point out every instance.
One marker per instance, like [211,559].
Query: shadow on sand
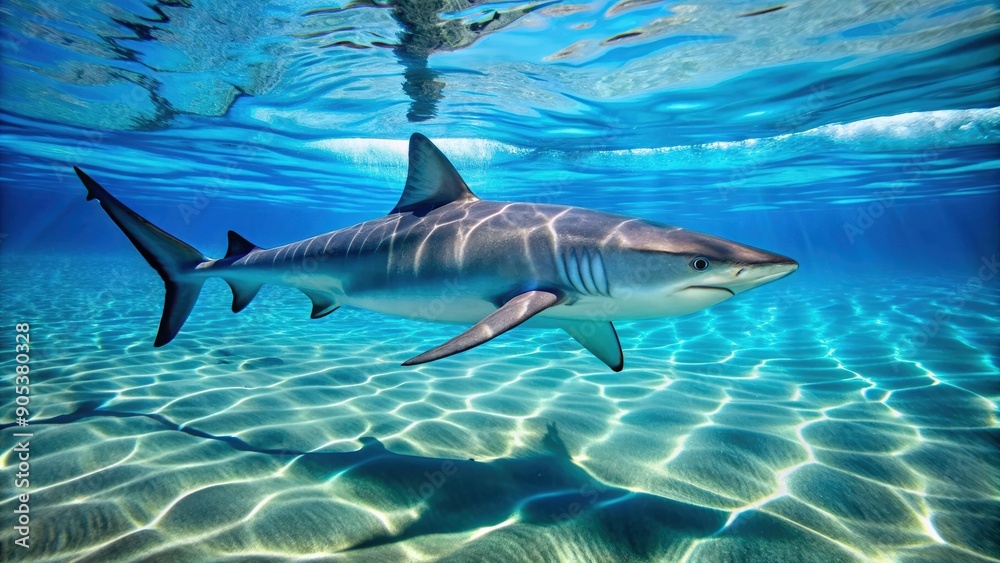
[453,495]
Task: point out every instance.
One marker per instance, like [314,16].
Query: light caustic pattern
[815,424]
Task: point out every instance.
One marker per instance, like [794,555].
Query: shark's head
[723,265]
[682,271]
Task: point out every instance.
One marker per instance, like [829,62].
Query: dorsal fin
[370,443]
[239,246]
[432,180]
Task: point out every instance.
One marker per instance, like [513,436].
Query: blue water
[845,413]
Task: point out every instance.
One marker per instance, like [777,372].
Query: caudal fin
[174,260]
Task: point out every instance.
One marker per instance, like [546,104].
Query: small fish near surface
[444,255]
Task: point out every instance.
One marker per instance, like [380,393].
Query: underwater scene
[618,280]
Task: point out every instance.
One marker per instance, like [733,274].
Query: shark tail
[173,259]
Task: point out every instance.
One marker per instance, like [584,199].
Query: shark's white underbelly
[454,309]
[445,309]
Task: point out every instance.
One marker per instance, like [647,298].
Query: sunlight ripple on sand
[788,426]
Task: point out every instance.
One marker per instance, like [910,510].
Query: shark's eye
[700,263]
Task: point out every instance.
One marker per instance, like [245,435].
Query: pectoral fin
[511,314]
[601,339]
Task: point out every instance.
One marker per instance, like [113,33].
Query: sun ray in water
[847,413]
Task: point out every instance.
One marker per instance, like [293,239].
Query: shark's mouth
[697,297]
[724,289]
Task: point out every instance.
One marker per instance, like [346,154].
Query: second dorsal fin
[432,180]
[239,246]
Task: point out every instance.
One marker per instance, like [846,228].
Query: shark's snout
[754,275]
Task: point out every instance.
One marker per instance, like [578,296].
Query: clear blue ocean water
[845,413]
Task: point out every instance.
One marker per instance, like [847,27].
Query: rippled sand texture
[793,423]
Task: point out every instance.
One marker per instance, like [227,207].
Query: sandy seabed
[798,422]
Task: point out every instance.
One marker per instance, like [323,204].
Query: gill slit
[584,271]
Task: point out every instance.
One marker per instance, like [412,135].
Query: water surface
[846,413]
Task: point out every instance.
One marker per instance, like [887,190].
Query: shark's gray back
[487,248]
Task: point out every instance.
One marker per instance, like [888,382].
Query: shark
[444,255]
